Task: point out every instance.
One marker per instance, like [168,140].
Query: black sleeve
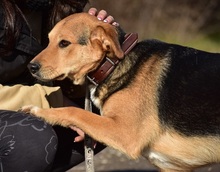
[13,67]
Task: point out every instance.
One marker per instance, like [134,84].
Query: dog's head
[77,45]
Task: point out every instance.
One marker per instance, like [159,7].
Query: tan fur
[129,120]
[181,152]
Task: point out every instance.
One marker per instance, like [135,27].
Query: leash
[88,141]
[96,77]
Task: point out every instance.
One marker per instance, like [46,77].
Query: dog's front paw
[29,109]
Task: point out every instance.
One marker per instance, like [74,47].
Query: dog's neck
[108,65]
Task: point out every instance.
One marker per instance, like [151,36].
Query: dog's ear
[108,39]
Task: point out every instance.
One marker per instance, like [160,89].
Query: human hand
[79,132]
[103,15]
[81,136]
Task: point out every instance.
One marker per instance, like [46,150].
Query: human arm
[14,97]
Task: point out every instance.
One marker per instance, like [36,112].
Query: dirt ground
[110,160]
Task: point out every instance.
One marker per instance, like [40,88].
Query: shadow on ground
[110,160]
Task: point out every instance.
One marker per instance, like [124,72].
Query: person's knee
[28,140]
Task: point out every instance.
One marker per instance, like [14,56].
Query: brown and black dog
[162,101]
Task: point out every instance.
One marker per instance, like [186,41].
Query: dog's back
[189,92]
[187,106]
[172,94]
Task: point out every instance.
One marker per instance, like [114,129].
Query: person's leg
[26,143]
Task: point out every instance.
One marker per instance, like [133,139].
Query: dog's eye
[64,43]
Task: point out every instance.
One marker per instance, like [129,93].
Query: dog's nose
[34,67]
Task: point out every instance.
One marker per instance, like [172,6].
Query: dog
[160,101]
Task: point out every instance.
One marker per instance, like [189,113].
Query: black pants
[28,144]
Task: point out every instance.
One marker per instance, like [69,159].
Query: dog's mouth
[48,79]
[60,77]
[71,75]
[77,79]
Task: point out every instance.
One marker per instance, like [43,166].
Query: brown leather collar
[108,65]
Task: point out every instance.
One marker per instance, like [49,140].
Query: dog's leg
[103,129]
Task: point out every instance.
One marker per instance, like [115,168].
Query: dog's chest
[96,101]
[160,160]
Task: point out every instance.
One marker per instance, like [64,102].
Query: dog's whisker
[49,73]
